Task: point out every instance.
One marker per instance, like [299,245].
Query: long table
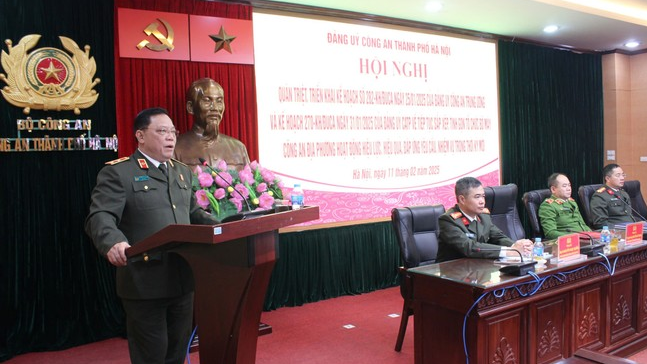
[467,307]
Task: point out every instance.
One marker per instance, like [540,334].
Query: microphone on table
[615,194]
[520,269]
[204,163]
[591,250]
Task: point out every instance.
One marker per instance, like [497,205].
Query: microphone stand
[615,194]
[520,269]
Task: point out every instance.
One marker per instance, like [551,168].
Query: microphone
[204,163]
[520,269]
[591,250]
[615,194]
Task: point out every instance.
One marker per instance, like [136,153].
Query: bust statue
[205,100]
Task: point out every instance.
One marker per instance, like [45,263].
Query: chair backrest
[416,229]
[502,203]
[585,192]
[531,201]
[637,200]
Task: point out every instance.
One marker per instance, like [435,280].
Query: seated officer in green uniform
[559,214]
[610,204]
[466,230]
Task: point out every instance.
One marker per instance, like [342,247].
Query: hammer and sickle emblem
[166,42]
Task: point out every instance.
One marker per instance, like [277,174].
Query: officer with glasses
[134,198]
[610,204]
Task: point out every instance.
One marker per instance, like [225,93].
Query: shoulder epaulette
[549,201]
[486,210]
[456,215]
[113,162]
[601,189]
[571,199]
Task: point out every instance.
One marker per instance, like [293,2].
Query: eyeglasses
[163,132]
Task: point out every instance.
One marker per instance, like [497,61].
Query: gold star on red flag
[223,40]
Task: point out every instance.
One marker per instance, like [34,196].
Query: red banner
[221,40]
[161,35]
[153,34]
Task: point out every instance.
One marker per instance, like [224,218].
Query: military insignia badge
[456,215]
[142,163]
[48,78]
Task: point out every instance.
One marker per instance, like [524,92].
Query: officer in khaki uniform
[610,204]
[559,215]
[134,198]
[466,230]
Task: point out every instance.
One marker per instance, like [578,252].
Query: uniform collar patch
[142,163]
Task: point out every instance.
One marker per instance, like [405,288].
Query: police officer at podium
[134,198]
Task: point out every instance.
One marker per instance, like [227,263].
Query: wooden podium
[232,264]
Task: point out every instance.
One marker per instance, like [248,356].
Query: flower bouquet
[225,192]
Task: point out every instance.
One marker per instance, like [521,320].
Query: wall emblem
[48,78]
[166,43]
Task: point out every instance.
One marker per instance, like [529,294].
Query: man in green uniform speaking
[610,204]
[466,230]
[134,198]
[559,214]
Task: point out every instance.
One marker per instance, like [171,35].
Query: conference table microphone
[615,194]
[519,269]
[591,250]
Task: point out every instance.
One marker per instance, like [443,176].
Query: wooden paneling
[598,304]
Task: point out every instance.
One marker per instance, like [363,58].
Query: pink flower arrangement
[225,192]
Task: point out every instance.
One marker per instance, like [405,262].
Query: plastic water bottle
[605,235]
[297,197]
[538,249]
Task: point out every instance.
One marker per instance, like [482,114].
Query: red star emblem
[223,40]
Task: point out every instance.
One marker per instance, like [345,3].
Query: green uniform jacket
[133,200]
[560,217]
[458,236]
[608,210]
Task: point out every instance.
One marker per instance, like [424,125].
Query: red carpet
[313,333]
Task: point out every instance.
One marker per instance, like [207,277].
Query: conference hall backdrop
[57,292]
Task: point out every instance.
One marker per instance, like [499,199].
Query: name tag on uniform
[470,235]
[141,178]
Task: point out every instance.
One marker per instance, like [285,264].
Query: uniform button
[146,257]
[173,206]
[145,187]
